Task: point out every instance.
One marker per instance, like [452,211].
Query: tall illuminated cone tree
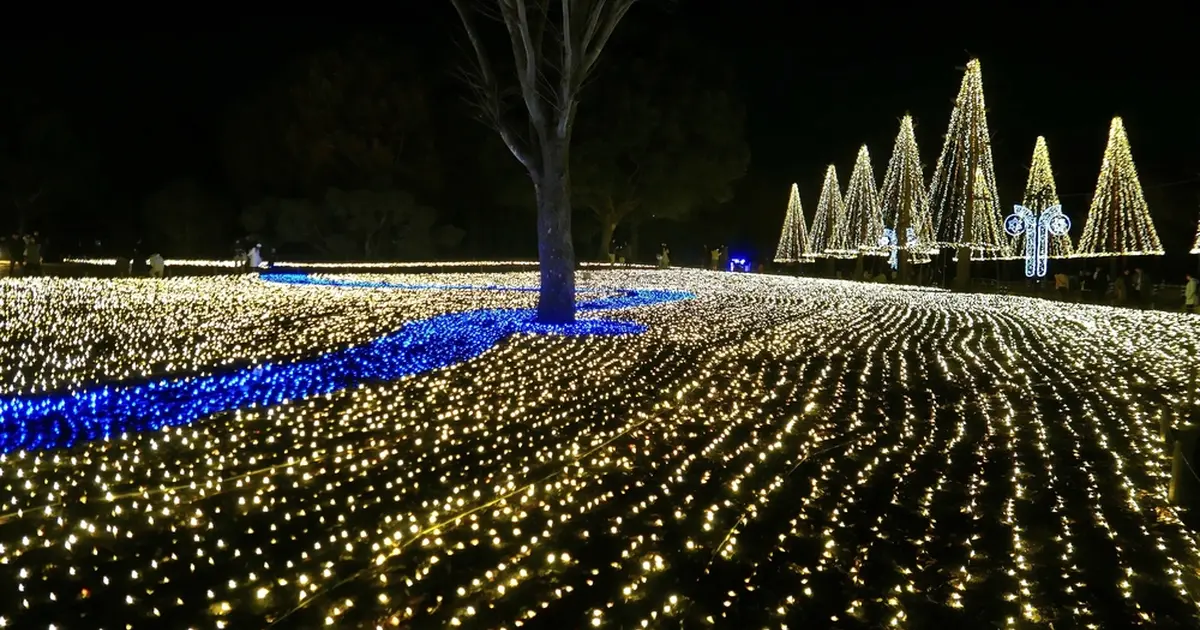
[966,208]
[1196,243]
[1040,194]
[1118,222]
[905,201]
[827,221]
[862,222]
[793,241]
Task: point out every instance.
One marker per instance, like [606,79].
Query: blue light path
[59,420]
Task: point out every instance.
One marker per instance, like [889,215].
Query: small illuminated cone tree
[1196,243]
[962,195]
[905,202]
[793,241]
[1040,194]
[828,218]
[1118,222]
[862,222]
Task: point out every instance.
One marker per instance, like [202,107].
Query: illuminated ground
[774,451]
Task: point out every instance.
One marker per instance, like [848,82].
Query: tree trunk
[556,253]
[634,232]
[858,268]
[962,275]
[607,227]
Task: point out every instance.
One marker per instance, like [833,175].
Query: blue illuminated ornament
[1038,229]
[888,240]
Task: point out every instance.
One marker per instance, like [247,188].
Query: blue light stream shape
[60,420]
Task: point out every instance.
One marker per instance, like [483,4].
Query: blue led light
[58,420]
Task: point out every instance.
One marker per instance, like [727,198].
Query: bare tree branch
[600,28]
[516,19]
[487,92]
[548,82]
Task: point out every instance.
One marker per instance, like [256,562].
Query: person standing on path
[157,265]
[255,257]
[1191,301]
[16,253]
[1136,287]
[1062,284]
[33,256]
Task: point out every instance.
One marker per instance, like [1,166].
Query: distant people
[664,257]
[16,253]
[1100,278]
[1062,284]
[33,256]
[1135,281]
[158,266]
[254,258]
[723,262]
[1120,287]
[1191,295]
[715,254]
[137,260]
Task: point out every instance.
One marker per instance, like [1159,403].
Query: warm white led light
[775,452]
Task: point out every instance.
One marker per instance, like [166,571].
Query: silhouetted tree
[663,136]
[359,224]
[555,45]
[181,219]
[353,117]
[44,165]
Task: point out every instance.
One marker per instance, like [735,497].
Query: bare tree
[555,46]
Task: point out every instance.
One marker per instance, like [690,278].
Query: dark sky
[818,80]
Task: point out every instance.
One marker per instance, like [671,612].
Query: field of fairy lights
[702,450]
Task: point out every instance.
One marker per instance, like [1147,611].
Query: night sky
[818,81]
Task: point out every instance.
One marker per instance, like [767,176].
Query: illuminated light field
[774,452]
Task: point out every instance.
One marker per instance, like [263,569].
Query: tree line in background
[366,151]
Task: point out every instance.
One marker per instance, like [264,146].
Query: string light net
[1040,194]
[904,187]
[793,241]
[968,144]
[1118,223]
[862,222]
[827,221]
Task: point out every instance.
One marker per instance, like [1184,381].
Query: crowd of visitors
[23,254]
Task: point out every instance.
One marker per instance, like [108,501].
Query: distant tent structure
[1118,222]
[793,240]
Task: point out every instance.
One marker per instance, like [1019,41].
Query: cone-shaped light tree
[966,208]
[862,223]
[827,221]
[905,201]
[1040,194]
[793,241]
[1118,223]
[1196,243]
